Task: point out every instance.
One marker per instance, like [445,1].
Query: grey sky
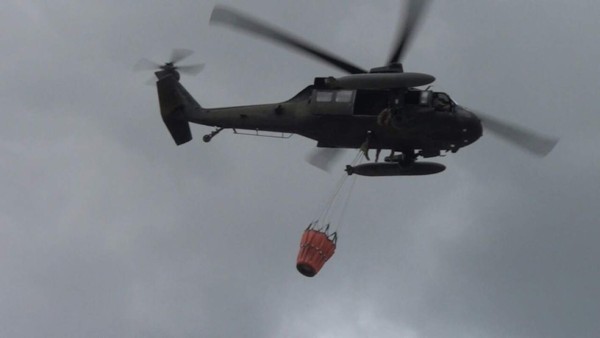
[108,229]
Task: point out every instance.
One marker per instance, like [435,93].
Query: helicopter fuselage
[344,118]
[381,108]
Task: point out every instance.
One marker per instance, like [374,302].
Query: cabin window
[343,96]
[425,98]
[324,96]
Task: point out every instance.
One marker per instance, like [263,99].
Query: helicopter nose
[470,124]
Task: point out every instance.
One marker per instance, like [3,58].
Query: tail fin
[175,105]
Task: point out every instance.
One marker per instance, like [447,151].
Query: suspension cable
[330,201]
[339,198]
[325,210]
[346,202]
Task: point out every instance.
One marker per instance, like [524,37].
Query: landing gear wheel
[208,137]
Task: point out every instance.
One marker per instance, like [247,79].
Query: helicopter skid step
[395,169]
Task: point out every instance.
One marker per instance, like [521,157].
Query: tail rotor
[170,67]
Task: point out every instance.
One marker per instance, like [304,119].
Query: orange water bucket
[316,248]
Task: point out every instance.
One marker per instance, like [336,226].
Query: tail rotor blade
[179,54]
[414,14]
[144,65]
[176,56]
[324,158]
[191,69]
[526,139]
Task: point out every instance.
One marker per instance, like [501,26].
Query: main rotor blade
[524,138]
[414,14]
[191,69]
[179,54]
[235,19]
[145,64]
[324,158]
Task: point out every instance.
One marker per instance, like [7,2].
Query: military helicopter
[380,108]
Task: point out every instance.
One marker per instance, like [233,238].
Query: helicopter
[381,108]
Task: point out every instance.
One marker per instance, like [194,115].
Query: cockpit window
[442,102]
[343,96]
[324,96]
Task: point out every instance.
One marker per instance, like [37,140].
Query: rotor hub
[168,66]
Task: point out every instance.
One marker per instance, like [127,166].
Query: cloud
[109,229]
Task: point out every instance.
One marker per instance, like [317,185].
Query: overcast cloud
[108,229]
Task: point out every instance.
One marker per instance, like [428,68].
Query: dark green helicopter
[379,109]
